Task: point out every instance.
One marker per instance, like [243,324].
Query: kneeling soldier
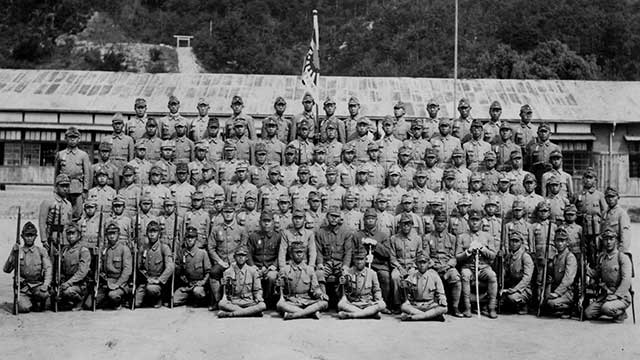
[116,268]
[35,271]
[426,299]
[363,297]
[564,266]
[300,293]
[242,289]
[76,262]
[518,270]
[195,267]
[156,267]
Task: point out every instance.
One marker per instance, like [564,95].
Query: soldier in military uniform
[259,171]
[130,191]
[319,167]
[123,221]
[461,172]
[171,224]
[530,198]
[151,140]
[226,169]
[282,124]
[478,198]
[156,265]
[478,243]
[75,163]
[243,289]
[538,153]
[385,219]
[591,206]
[476,147]
[517,174]
[289,170]
[394,191]
[214,141]
[407,170]
[525,132]
[199,126]
[135,126]
[193,267]
[389,143]
[75,265]
[89,225]
[492,222]
[141,165]
[329,107]
[459,219]
[196,166]
[430,125]
[617,219]
[332,194]
[269,194]
[361,140]
[333,146]
[434,173]
[334,247]
[518,273]
[463,122]
[53,209]
[314,216]
[35,271]
[244,145]
[402,124]
[155,190]
[182,190]
[448,193]
[406,245]
[185,148]
[558,297]
[168,123]
[556,200]
[237,107]
[300,293]
[283,218]
[491,174]
[544,230]
[307,115]
[504,198]
[566,182]
[297,232]
[417,144]
[248,216]
[420,193]
[426,299]
[122,145]
[347,168]
[263,246]
[492,127]
[105,162]
[144,219]
[444,143]
[505,147]
[166,163]
[116,269]
[300,190]
[198,218]
[406,207]
[351,122]
[518,224]
[363,298]
[612,274]
[237,191]
[351,215]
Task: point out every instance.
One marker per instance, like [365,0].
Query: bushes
[110,61]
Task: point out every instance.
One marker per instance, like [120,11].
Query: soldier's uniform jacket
[158,194]
[517,178]
[557,204]
[259,175]
[300,194]
[306,236]
[76,164]
[247,287]
[334,245]
[445,146]
[538,152]
[113,176]
[76,262]
[465,128]
[201,220]
[131,194]
[224,240]
[520,226]
[407,173]
[210,190]
[35,266]
[251,130]
[289,174]
[319,172]
[503,151]
[524,134]
[297,119]
[182,193]
[332,195]
[450,197]
[300,280]
[195,167]
[518,271]
[269,196]
[167,223]
[386,223]
[346,173]
[89,230]
[574,231]
[48,216]
[144,220]
[168,171]
[490,181]
[434,178]
[421,197]
[459,224]
[492,132]
[167,125]
[592,206]
[334,152]
[282,220]
[475,150]
[141,168]
[563,273]
[381,251]
[389,149]
[505,203]
[427,288]
[461,181]
[136,127]
[360,144]
[157,262]
[418,149]
[492,226]
[238,191]
[125,225]
[251,220]
[618,219]
[403,125]
[226,171]
[394,197]
[198,128]
[366,196]
[103,196]
[121,149]
[566,182]
[539,239]
[478,199]
[442,249]
[244,148]
[184,149]
[154,149]
[314,219]
[405,250]
[117,264]
[487,254]
[377,174]
[194,264]
[418,226]
[352,219]
[304,150]
[350,128]
[613,272]
[284,127]
[263,248]
[530,202]
[364,286]
[215,149]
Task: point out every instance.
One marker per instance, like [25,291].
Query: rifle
[631,291]
[477,283]
[227,288]
[134,244]
[58,263]
[583,275]
[173,252]
[16,273]
[503,249]
[544,271]
[96,280]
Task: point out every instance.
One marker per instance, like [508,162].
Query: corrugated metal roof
[96,91]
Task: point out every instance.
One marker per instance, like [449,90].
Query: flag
[311,64]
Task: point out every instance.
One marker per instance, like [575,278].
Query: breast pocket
[117,263]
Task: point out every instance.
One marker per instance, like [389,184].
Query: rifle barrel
[16,274]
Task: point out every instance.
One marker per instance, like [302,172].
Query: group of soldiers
[402,216]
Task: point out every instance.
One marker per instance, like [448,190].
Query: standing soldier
[168,123]
[402,124]
[442,247]
[50,209]
[166,163]
[492,127]
[89,226]
[105,162]
[517,175]
[518,273]
[76,262]
[476,147]
[155,190]
[152,140]
[282,124]
[300,190]
[199,126]
[544,231]
[389,143]
[297,233]
[35,271]
[394,191]
[273,144]
[194,268]
[307,114]
[613,276]
[248,216]
[364,298]
[102,194]
[122,146]
[196,166]
[351,216]
[351,122]
[478,198]
[75,163]
[215,144]
[144,219]
[518,224]
[226,169]
[119,218]
[566,182]
[591,206]
[557,202]
[463,122]
[417,144]
[406,245]
[332,194]
[329,111]
[116,269]
[459,220]
[243,289]
[184,146]
[504,198]
[303,143]
[156,265]
[558,297]
[361,140]
[140,164]
[237,191]
[319,167]
[269,195]
[259,171]
[130,191]
[283,218]
[525,131]
[505,147]
[530,198]
[289,169]
[491,175]
[434,173]
[366,192]
[406,208]
[244,145]
[135,126]
[430,125]
[448,193]
[444,143]
[182,190]
[462,173]
[539,152]
[420,193]
[237,107]
[314,216]
[263,246]
[492,222]
[347,168]
[407,170]
[198,218]
[377,172]
[334,147]
[334,245]
[169,223]
[617,219]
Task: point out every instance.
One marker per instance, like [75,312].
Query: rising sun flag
[311,64]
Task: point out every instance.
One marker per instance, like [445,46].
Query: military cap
[169,201]
[331,170]
[266,215]
[298,246]
[406,199]
[518,204]
[236,100]
[553,180]
[303,169]
[561,234]
[398,105]
[72,132]
[476,123]
[544,126]
[213,121]
[555,154]
[218,198]
[590,172]
[475,214]
[146,198]
[421,172]
[611,191]
[457,152]
[445,121]
[571,209]
[476,176]
[192,231]
[394,169]
[504,177]
[348,148]
[307,96]
[422,258]
[350,195]
[505,125]
[491,200]
[284,198]
[373,146]
[180,123]
[62,179]
[526,107]
[228,207]
[490,155]
[542,205]
[313,195]
[104,146]
[260,148]
[297,213]
[90,203]
[117,118]
[151,121]
[112,227]
[449,174]
[101,170]
[118,200]
[280,100]
[242,166]
[72,227]
[320,149]
[153,225]
[354,101]
[29,229]
[464,200]
[333,210]
[275,169]
[388,120]
[239,121]
[241,250]
[431,153]
[207,166]
[359,254]
[202,101]
[495,105]
[406,218]
[440,216]
[436,200]
[182,167]
[168,144]
[516,235]
[304,124]
[329,100]
[141,145]
[201,145]
[173,100]
[269,120]
[332,125]
[431,102]
[140,102]
[251,194]
[197,195]
[128,170]
[370,212]
[464,102]
[363,120]
[529,177]
[609,233]
[363,168]
[405,150]
[228,145]
[381,197]
[516,154]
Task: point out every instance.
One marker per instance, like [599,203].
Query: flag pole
[455,61]
[316,34]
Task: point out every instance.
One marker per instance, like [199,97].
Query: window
[576,156]
[30,154]
[12,154]
[634,158]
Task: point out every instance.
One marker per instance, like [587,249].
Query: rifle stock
[16,273]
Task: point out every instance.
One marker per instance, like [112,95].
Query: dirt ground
[186,333]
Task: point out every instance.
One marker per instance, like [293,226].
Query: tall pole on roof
[455,61]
